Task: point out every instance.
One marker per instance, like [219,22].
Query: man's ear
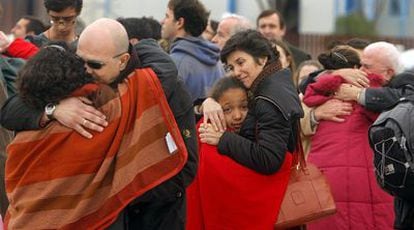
[124,60]
[133,41]
[283,31]
[180,23]
[390,72]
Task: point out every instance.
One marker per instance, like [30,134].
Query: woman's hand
[78,113]
[355,77]
[209,135]
[213,112]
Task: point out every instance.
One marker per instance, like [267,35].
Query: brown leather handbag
[308,196]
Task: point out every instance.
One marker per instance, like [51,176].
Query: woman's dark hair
[51,75]
[251,42]
[340,57]
[223,84]
[61,5]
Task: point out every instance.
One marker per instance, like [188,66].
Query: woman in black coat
[270,129]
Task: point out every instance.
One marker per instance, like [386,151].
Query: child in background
[304,69]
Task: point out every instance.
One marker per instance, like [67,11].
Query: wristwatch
[49,110]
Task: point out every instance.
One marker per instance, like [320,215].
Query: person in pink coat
[341,150]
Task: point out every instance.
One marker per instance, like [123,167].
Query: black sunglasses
[94,64]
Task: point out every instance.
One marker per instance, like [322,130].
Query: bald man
[110,61]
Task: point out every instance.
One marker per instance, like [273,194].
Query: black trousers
[158,215]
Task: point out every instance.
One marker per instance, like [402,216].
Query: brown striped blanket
[56,179]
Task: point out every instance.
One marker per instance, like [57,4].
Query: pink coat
[342,152]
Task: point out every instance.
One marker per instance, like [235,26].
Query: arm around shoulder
[266,153]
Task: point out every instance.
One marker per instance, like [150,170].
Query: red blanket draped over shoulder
[56,179]
[226,195]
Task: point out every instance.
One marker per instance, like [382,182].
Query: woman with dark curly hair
[51,75]
[266,139]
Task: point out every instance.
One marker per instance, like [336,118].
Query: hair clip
[56,46]
[340,56]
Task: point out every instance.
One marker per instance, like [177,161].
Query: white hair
[241,24]
[388,53]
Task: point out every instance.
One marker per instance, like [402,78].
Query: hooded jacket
[198,64]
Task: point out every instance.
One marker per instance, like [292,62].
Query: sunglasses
[95,64]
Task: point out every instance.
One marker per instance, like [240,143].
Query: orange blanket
[56,179]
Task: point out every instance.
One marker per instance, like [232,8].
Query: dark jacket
[270,128]
[299,55]
[5,138]
[170,194]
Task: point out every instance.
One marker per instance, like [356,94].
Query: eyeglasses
[62,20]
[94,64]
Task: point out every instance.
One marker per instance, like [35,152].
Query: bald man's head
[103,45]
[107,32]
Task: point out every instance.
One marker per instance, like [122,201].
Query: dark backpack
[392,139]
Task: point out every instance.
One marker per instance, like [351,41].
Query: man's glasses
[94,64]
[62,20]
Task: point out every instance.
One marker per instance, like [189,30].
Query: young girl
[226,194]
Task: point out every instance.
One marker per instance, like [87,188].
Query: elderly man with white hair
[229,25]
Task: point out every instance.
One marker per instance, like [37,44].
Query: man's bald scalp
[109,29]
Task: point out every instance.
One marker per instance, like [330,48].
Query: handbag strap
[299,155]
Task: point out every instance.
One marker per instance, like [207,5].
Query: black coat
[299,55]
[270,128]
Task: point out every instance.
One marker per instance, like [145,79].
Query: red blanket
[56,179]
[227,195]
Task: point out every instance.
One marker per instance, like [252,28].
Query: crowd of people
[187,123]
